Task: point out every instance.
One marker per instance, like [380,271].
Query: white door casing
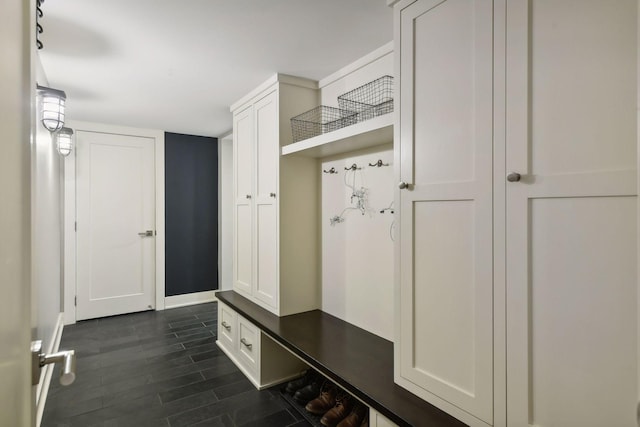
[445,255]
[572,257]
[115,202]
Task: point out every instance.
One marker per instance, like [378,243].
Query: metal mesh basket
[321,119]
[370,100]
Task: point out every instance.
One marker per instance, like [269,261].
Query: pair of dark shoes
[306,387]
[338,409]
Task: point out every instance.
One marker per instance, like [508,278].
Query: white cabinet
[517,262]
[227,326]
[444,349]
[275,266]
[263,361]
[378,420]
[571,221]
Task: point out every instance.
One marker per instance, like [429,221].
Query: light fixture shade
[65,141]
[53,102]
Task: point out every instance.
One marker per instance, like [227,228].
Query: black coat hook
[330,171]
[378,164]
[353,167]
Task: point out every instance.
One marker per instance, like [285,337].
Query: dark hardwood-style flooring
[158,369]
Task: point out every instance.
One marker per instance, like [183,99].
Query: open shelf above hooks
[370,133]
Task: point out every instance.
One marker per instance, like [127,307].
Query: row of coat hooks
[355,167]
[39,30]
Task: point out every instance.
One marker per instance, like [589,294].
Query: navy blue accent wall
[191,209]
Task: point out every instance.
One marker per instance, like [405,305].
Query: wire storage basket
[370,100]
[319,120]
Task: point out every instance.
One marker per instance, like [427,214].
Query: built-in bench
[358,361]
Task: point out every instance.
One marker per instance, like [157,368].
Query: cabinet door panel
[572,285]
[267,145]
[266,231]
[243,156]
[446,281]
[227,329]
[267,255]
[249,344]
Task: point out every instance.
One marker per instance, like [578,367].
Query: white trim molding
[189,299]
[70,213]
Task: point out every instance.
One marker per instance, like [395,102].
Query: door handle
[246,344]
[39,359]
[148,233]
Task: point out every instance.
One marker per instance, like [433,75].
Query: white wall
[357,254]
[46,226]
[377,64]
[46,243]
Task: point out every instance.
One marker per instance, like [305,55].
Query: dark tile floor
[158,369]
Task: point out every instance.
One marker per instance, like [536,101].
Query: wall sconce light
[65,141]
[53,101]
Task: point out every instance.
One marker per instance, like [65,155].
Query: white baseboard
[189,299]
[42,389]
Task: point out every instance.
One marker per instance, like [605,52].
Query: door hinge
[75,226]
[75,301]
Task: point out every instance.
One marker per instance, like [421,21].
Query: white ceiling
[177,65]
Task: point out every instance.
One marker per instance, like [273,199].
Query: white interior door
[572,256]
[115,224]
[446,250]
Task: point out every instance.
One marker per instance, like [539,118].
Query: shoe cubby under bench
[356,360]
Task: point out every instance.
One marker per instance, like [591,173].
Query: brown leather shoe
[342,408]
[357,417]
[325,401]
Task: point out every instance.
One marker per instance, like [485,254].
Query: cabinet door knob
[272,195]
[226,326]
[514,177]
[248,196]
[403,185]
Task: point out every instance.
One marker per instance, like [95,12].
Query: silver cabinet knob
[403,185]
[272,195]
[226,326]
[514,177]
[148,233]
[246,344]
[248,196]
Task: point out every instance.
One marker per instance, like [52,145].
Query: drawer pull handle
[227,327]
[246,344]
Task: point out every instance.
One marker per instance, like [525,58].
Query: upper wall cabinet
[517,152]
[275,211]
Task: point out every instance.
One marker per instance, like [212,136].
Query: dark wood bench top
[358,361]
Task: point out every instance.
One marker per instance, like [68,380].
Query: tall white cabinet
[445,342]
[275,266]
[517,262]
